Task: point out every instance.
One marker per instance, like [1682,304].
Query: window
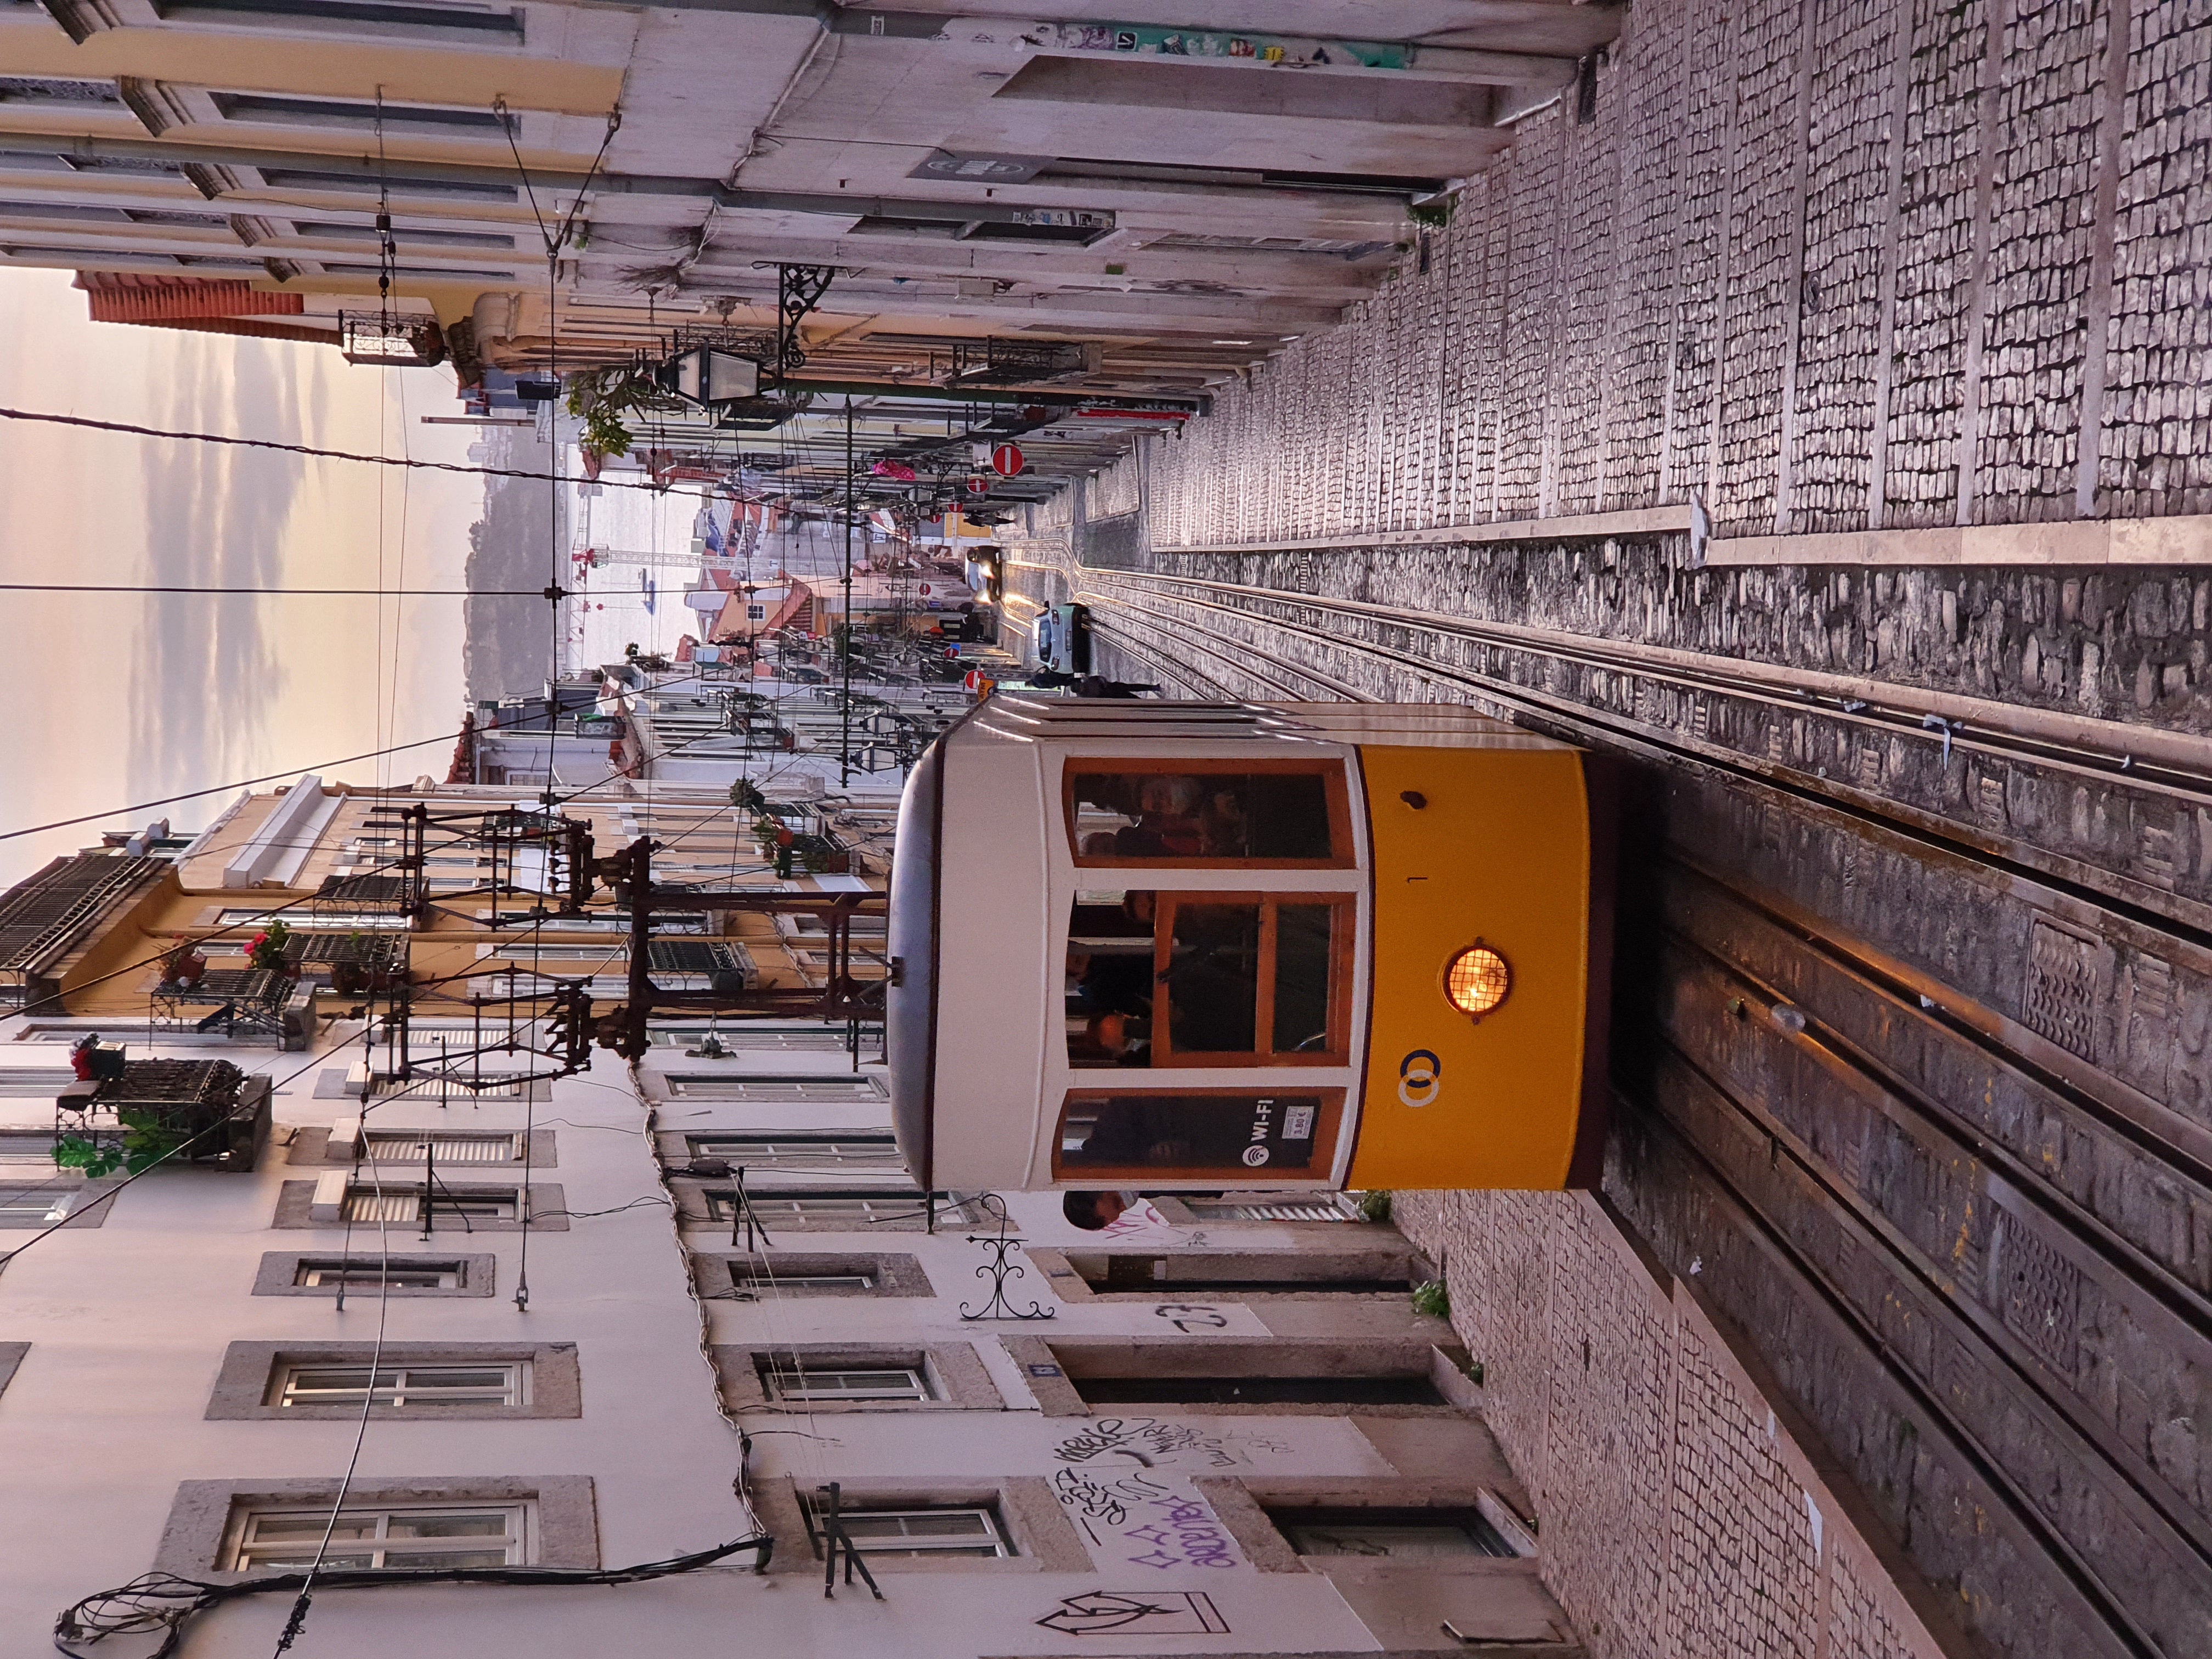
[405,1204]
[356,116]
[1291,814]
[505,1384]
[806,1042]
[418,235]
[1319,1207]
[1217,978]
[316,1272]
[933,1529]
[36,1206]
[827,1153]
[33,1081]
[767,1282]
[855,1209]
[1215,1131]
[794,1384]
[316,921]
[1170,1390]
[428,189]
[356,17]
[471,1535]
[1395,1534]
[788,1090]
[405,1146]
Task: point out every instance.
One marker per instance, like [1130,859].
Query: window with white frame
[314,1272]
[819,1041]
[35,1206]
[502,1383]
[854,1209]
[369,1539]
[798,1384]
[33,1081]
[828,1153]
[439,1146]
[921,1529]
[405,1204]
[1319,1207]
[317,922]
[489,26]
[786,1089]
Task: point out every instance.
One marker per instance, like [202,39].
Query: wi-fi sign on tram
[1007,460]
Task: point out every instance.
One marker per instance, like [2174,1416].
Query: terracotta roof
[116,296]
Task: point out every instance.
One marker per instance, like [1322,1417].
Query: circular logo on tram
[1255,1155]
[1420,1077]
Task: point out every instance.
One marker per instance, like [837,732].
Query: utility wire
[224,788]
[130,429]
[296,592]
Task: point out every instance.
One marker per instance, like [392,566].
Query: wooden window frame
[1329,1120]
[1167,1057]
[1330,770]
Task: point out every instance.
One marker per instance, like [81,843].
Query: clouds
[125,697]
[206,675]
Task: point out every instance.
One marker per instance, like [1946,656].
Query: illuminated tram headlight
[1477,981]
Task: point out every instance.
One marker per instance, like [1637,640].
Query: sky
[148,696]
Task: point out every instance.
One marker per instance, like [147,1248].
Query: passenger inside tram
[1184,1135]
[1177,817]
[1210,968]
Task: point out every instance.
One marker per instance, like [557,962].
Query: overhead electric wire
[287,592]
[224,788]
[132,429]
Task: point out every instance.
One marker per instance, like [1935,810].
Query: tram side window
[1202,979]
[1210,1132]
[1167,816]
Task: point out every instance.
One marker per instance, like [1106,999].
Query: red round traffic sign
[1007,460]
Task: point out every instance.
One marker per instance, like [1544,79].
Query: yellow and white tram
[1204,946]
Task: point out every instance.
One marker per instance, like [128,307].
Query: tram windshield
[1207,979]
[1200,1132]
[1165,814]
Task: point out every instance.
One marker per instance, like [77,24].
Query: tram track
[1664,703]
[2035,1274]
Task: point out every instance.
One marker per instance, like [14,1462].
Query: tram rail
[1959,1181]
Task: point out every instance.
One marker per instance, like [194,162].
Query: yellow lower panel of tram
[1498,852]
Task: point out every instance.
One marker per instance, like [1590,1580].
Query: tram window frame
[1343,909]
[1328,1123]
[1343,851]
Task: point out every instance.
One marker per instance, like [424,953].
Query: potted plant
[184,966]
[267,949]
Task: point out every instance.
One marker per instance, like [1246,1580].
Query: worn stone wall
[1827,264]
[1682,1514]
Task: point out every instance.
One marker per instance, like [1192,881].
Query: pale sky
[146,696]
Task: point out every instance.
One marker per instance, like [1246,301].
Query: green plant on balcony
[265,951]
[147,1140]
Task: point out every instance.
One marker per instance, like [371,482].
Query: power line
[223,788]
[46,418]
[297,592]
